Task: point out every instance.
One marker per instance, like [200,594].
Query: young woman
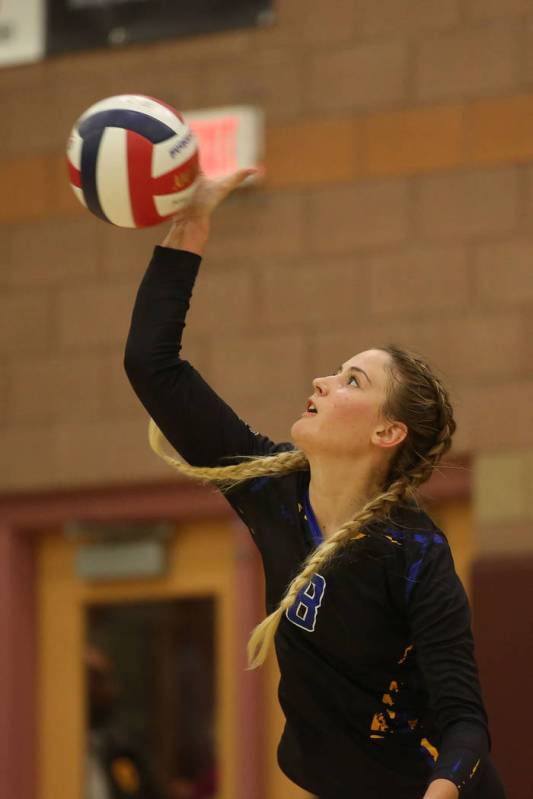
[371,624]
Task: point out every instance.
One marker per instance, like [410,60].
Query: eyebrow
[354,369]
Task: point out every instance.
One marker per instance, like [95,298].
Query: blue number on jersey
[304,611]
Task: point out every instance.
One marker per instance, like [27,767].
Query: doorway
[159,655]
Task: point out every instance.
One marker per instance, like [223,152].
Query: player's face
[348,407]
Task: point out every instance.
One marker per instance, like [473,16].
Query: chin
[298,435]
[294,431]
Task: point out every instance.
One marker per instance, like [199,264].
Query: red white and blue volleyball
[133,161]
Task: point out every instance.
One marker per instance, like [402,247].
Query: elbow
[134,364]
[143,366]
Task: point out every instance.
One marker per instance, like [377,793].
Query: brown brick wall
[469,62]
[397,206]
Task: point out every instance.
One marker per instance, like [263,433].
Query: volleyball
[132,160]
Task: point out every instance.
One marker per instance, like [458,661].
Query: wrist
[190,235]
[441,789]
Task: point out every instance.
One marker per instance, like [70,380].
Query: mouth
[310,409]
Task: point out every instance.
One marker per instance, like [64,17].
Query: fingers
[242,174]
[230,182]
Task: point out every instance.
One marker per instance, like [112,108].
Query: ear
[390,434]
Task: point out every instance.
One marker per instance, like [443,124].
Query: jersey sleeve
[193,418]
[440,624]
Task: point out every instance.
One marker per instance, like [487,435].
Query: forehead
[374,363]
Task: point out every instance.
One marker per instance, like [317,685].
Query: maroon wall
[502,606]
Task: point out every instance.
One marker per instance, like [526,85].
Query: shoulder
[254,496]
[413,536]
[412,526]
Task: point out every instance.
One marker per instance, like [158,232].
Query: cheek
[352,411]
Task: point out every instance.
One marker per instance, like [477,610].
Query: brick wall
[398,206]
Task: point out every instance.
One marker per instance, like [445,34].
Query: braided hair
[414,396]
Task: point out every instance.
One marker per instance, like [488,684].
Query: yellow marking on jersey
[398,543]
[475,768]
[412,723]
[433,751]
[407,650]
[379,723]
[126,775]
[377,736]
[359,535]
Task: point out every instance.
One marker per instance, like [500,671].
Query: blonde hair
[416,397]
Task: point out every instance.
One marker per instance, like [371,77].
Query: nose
[319,385]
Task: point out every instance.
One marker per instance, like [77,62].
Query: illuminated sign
[229,138]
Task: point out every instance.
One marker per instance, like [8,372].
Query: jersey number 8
[304,610]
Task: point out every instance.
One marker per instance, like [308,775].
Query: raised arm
[194,419]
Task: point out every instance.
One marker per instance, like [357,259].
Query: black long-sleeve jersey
[379,683]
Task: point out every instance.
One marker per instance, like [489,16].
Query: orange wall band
[385,144]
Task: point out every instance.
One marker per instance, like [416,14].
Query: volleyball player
[371,624]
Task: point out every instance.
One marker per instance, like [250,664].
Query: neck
[339,490]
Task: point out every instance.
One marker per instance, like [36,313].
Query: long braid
[226,477]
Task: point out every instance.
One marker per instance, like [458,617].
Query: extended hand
[209,193]
[190,226]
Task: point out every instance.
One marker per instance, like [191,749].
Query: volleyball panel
[140,103]
[79,194]
[74,145]
[173,152]
[112,178]
[168,204]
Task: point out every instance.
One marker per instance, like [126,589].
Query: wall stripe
[323,151]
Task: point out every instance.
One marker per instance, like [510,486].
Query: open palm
[209,193]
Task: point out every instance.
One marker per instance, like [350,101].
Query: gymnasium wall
[398,205]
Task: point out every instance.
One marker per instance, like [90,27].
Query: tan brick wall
[494,9]
[397,206]
[396,17]
[365,215]
[479,60]
[468,205]
[503,486]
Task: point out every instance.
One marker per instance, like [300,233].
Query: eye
[351,377]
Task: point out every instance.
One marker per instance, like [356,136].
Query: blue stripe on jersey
[143,124]
[89,156]
[411,577]
[316,532]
